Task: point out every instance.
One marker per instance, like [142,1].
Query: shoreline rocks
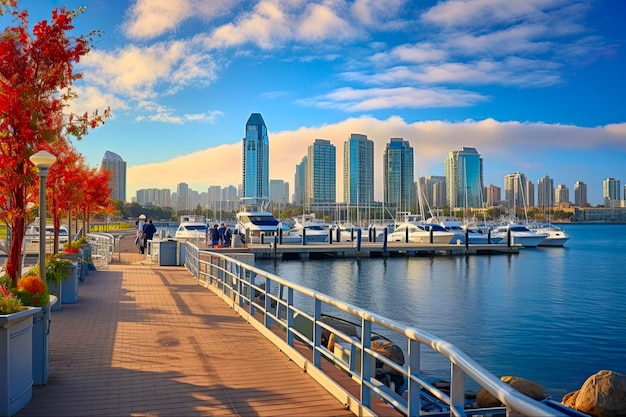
[602,395]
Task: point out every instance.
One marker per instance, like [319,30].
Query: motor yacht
[419,232]
[520,234]
[556,235]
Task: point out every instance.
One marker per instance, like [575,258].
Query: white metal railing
[289,314]
[102,248]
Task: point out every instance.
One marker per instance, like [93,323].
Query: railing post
[414,401]
[317,333]
[457,387]
[366,363]
[290,320]
[268,283]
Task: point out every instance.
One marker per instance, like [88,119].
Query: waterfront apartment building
[279,192]
[561,195]
[432,190]
[545,192]
[153,197]
[463,169]
[493,195]
[514,190]
[580,194]
[256,158]
[299,182]
[398,175]
[358,170]
[322,173]
[116,166]
[182,197]
[611,192]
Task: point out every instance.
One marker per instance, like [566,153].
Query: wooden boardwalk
[146,340]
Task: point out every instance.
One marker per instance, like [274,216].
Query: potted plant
[16,347]
[62,279]
[78,251]
[33,291]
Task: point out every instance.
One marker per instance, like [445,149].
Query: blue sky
[537,86]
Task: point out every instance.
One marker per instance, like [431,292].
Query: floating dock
[368,250]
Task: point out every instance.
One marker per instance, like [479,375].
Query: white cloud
[363,100]
[147,19]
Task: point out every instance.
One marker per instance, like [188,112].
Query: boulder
[529,388]
[389,350]
[602,395]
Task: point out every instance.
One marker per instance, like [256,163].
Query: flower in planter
[9,302]
[33,291]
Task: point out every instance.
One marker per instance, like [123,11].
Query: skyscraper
[580,193]
[464,178]
[561,194]
[398,175]
[545,192]
[299,182]
[321,177]
[182,197]
[514,190]
[432,190]
[611,192]
[256,159]
[116,166]
[358,170]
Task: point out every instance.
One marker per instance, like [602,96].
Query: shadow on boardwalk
[145,340]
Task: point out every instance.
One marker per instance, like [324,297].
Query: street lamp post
[42,160]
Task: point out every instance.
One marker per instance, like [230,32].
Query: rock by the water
[529,388]
[389,350]
[602,395]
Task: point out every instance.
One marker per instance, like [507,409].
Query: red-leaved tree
[36,75]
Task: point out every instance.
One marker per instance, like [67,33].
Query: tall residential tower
[464,178]
[322,174]
[256,159]
[398,175]
[358,170]
[116,166]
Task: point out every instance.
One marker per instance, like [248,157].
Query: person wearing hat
[139,240]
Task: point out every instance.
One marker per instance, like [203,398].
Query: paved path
[145,340]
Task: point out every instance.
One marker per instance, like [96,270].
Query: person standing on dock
[148,233]
[215,236]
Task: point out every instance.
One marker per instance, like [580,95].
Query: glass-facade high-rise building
[432,190]
[322,174]
[398,175]
[611,192]
[464,178]
[358,170]
[256,157]
[116,166]
[299,182]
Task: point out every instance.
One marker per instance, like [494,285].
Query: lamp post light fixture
[42,160]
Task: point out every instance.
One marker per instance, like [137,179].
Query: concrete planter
[41,343]
[66,290]
[16,360]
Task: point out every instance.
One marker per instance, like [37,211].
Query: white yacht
[556,235]
[314,230]
[419,232]
[196,231]
[31,238]
[474,237]
[520,235]
[252,224]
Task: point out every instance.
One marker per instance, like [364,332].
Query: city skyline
[536,86]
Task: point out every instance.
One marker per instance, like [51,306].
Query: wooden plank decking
[145,340]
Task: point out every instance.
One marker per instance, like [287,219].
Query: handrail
[102,248]
[295,312]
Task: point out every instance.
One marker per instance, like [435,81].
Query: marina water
[552,315]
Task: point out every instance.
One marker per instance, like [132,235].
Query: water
[552,315]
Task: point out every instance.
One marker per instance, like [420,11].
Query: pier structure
[147,339]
